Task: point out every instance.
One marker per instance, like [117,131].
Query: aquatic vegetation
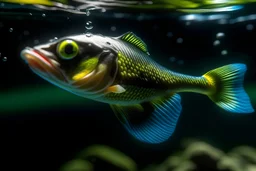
[110,155]
[77,165]
[195,156]
[198,155]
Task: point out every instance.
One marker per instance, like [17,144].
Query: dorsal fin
[135,40]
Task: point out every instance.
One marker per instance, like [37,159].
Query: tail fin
[230,94]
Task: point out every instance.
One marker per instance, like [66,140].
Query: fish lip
[38,61]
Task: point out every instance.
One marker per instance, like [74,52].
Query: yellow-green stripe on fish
[142,93]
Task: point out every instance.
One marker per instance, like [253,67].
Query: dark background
[46,138]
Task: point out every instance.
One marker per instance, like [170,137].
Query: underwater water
[43,127]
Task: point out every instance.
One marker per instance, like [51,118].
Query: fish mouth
[38,62]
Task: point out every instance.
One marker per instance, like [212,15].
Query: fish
[119,71]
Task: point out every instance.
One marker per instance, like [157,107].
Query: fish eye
[67,49]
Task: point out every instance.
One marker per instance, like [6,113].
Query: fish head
[82,64]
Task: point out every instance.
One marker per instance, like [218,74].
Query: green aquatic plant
[195,156]
[77,165]
[33,98]
[100,152]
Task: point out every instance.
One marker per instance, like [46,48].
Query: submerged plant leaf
[77,165]
[109,155]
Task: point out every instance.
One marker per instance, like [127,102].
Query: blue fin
[229,91]
[151,122]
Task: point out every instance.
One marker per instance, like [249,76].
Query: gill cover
[96,74]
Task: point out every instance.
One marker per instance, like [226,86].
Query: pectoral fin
[115,89]
[151,122]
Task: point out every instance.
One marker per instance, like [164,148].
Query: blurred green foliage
[110,155]
[33,98]
[195,156]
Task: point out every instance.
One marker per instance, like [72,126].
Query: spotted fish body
[142,93]
[143,78]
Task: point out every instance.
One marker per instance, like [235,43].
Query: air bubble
[30,14]
[113,28]
[11,30]
[172,59]
[88,25]
[4,59]
[54,39]
[88,34]
[88,13]
[103,10]
[216,42]
[43,15]
[36,41]
[223,21]
[220,35]
[249,27]
[224,52]
[179,40]
[187,23]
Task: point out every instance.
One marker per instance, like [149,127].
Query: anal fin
[151,122]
